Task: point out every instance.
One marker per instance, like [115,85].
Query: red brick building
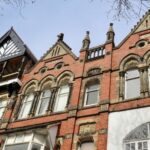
[97,101]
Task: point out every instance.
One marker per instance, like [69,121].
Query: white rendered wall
[123,122]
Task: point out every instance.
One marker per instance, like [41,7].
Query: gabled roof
[143,24]
[12,46]
[58,49]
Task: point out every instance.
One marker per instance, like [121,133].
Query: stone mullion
[54,99]
[122,85]
[49,109]
[18,107]
[141,71]
[70,93]
[34,104]
[146,81]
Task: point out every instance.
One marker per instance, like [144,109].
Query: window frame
[23,105]
[87,92]
[41,98]
[58,96]
[126,97]
[30,142]
[136,144]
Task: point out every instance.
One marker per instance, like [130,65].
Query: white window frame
[23,106]
[87,91]
[40,102]
[126,86]
[29,142]
[136,144]
[58,99]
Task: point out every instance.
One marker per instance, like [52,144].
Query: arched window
[91,94]
[138,139]
[132,84]
[62,98]
[26,105]
[43,102]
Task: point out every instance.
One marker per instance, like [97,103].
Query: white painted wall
[121,123]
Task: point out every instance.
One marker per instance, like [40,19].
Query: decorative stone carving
[93,71]
[87,129]
[131,64]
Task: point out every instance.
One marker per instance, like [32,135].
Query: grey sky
[44,20]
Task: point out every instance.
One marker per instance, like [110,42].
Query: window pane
[132,74]
[46,93]
[132,88]
[36,146]
[17,147]
[2,107]
[61,102]
[127,147]
[145,145]
[28,137]
[30,97]
[132,146]
[93,87]
[88,146]
[25,110]
[64,89]
[1,112]
[140,146]
[19,138]
[92,97]
[43,105]
[10,140]
[3,103]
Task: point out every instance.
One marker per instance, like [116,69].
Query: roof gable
[58,49]
[143,24]
[12,46]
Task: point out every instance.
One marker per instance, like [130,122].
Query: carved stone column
[18,107]
[34,104]
[145,81]
[52,100]
[121,85]
[141,71]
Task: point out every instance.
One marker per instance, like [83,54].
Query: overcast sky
[45,19]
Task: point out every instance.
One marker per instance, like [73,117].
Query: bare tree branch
[127,9]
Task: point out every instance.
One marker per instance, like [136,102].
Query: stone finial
[86,41]
[110,34]
[60,37]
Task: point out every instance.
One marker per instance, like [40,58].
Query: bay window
[26,106]
[62,98]
[28,141]
[43,102]
[132,84]
[91,94]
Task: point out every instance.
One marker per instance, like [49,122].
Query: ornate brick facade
[65,102]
